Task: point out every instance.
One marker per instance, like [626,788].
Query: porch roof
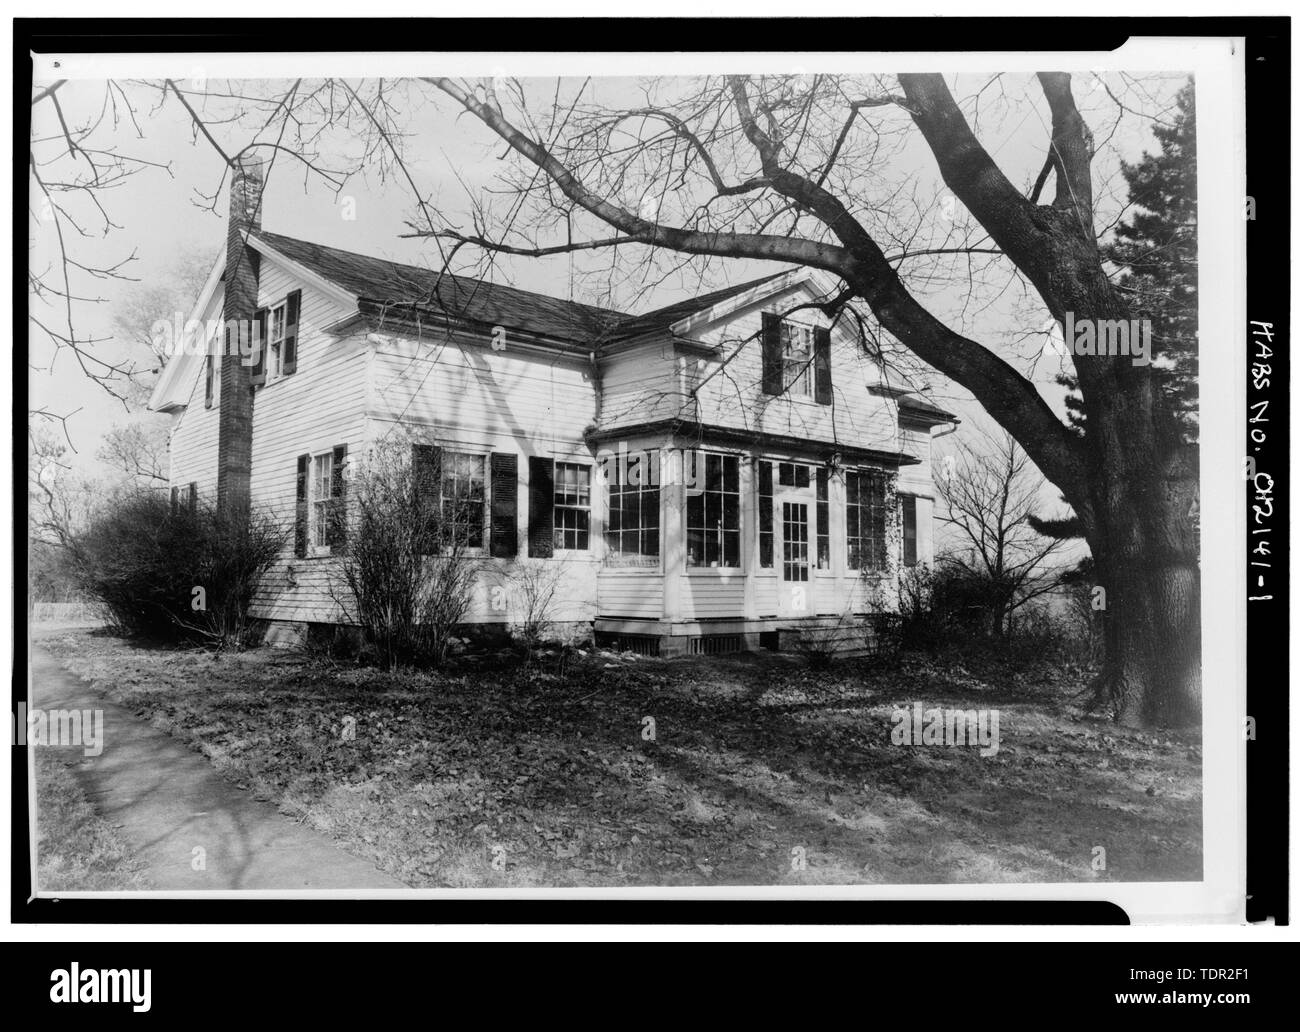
[706,434]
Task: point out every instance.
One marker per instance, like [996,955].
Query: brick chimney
[235,406]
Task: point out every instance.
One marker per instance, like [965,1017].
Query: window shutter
[259,348]
[193,500]
[176,500]
[771,353]
[426,473]
[207,380]
[504,540]
[822,364]
[289,350]
[336,530]
[300,515]
[541,507]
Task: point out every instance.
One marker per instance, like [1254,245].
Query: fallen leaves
[485,778]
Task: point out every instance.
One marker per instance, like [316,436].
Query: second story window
[796,359]
[275,342]
[277,331]
[211,381]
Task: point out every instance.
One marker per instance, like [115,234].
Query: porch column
[749,533]
[672,532]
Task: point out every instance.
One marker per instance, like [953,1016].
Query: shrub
[408,569]
[533,588]
[175,574]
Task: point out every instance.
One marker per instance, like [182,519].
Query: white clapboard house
[706,477]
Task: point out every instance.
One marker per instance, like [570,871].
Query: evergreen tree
[1154,253]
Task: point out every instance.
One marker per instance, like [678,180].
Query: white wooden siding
[732,394]
[192,451]
[630,594]
[316,409]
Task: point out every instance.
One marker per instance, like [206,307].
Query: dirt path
[192,829]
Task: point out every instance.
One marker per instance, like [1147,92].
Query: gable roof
[377,283]
[663,318]
[378,286]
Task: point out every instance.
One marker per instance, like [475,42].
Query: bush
[534,585]
[945,605]
[408,569]
[947,609]
[183,575]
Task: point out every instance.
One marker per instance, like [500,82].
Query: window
[796,359]
[464,496]
[322,473]
[320,525]
[210,391]
[275,340]
[794,541]
[632,511]
[713,510]
[909,529]
[793,474]
[865,514]
[823,519]
[572,505]
[765,502]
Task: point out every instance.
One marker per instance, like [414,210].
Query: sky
[162,214]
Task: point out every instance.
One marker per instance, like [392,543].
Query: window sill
[714,571]
[272,383]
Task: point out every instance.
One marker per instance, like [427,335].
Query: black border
[1268,297]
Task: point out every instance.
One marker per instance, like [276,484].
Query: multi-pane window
[322,472]
[572,505]
[823,519]
[765,529]
[713,510]
[792,474]
[796,358]
[794,541]
[275,339]
[464,496]
[865,514]
[908,504]
[632,510]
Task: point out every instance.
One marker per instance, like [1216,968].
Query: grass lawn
[76,849]
[761,771]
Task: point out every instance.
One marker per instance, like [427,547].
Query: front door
[794,556]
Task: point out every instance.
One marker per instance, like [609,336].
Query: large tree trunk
[1143,530]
